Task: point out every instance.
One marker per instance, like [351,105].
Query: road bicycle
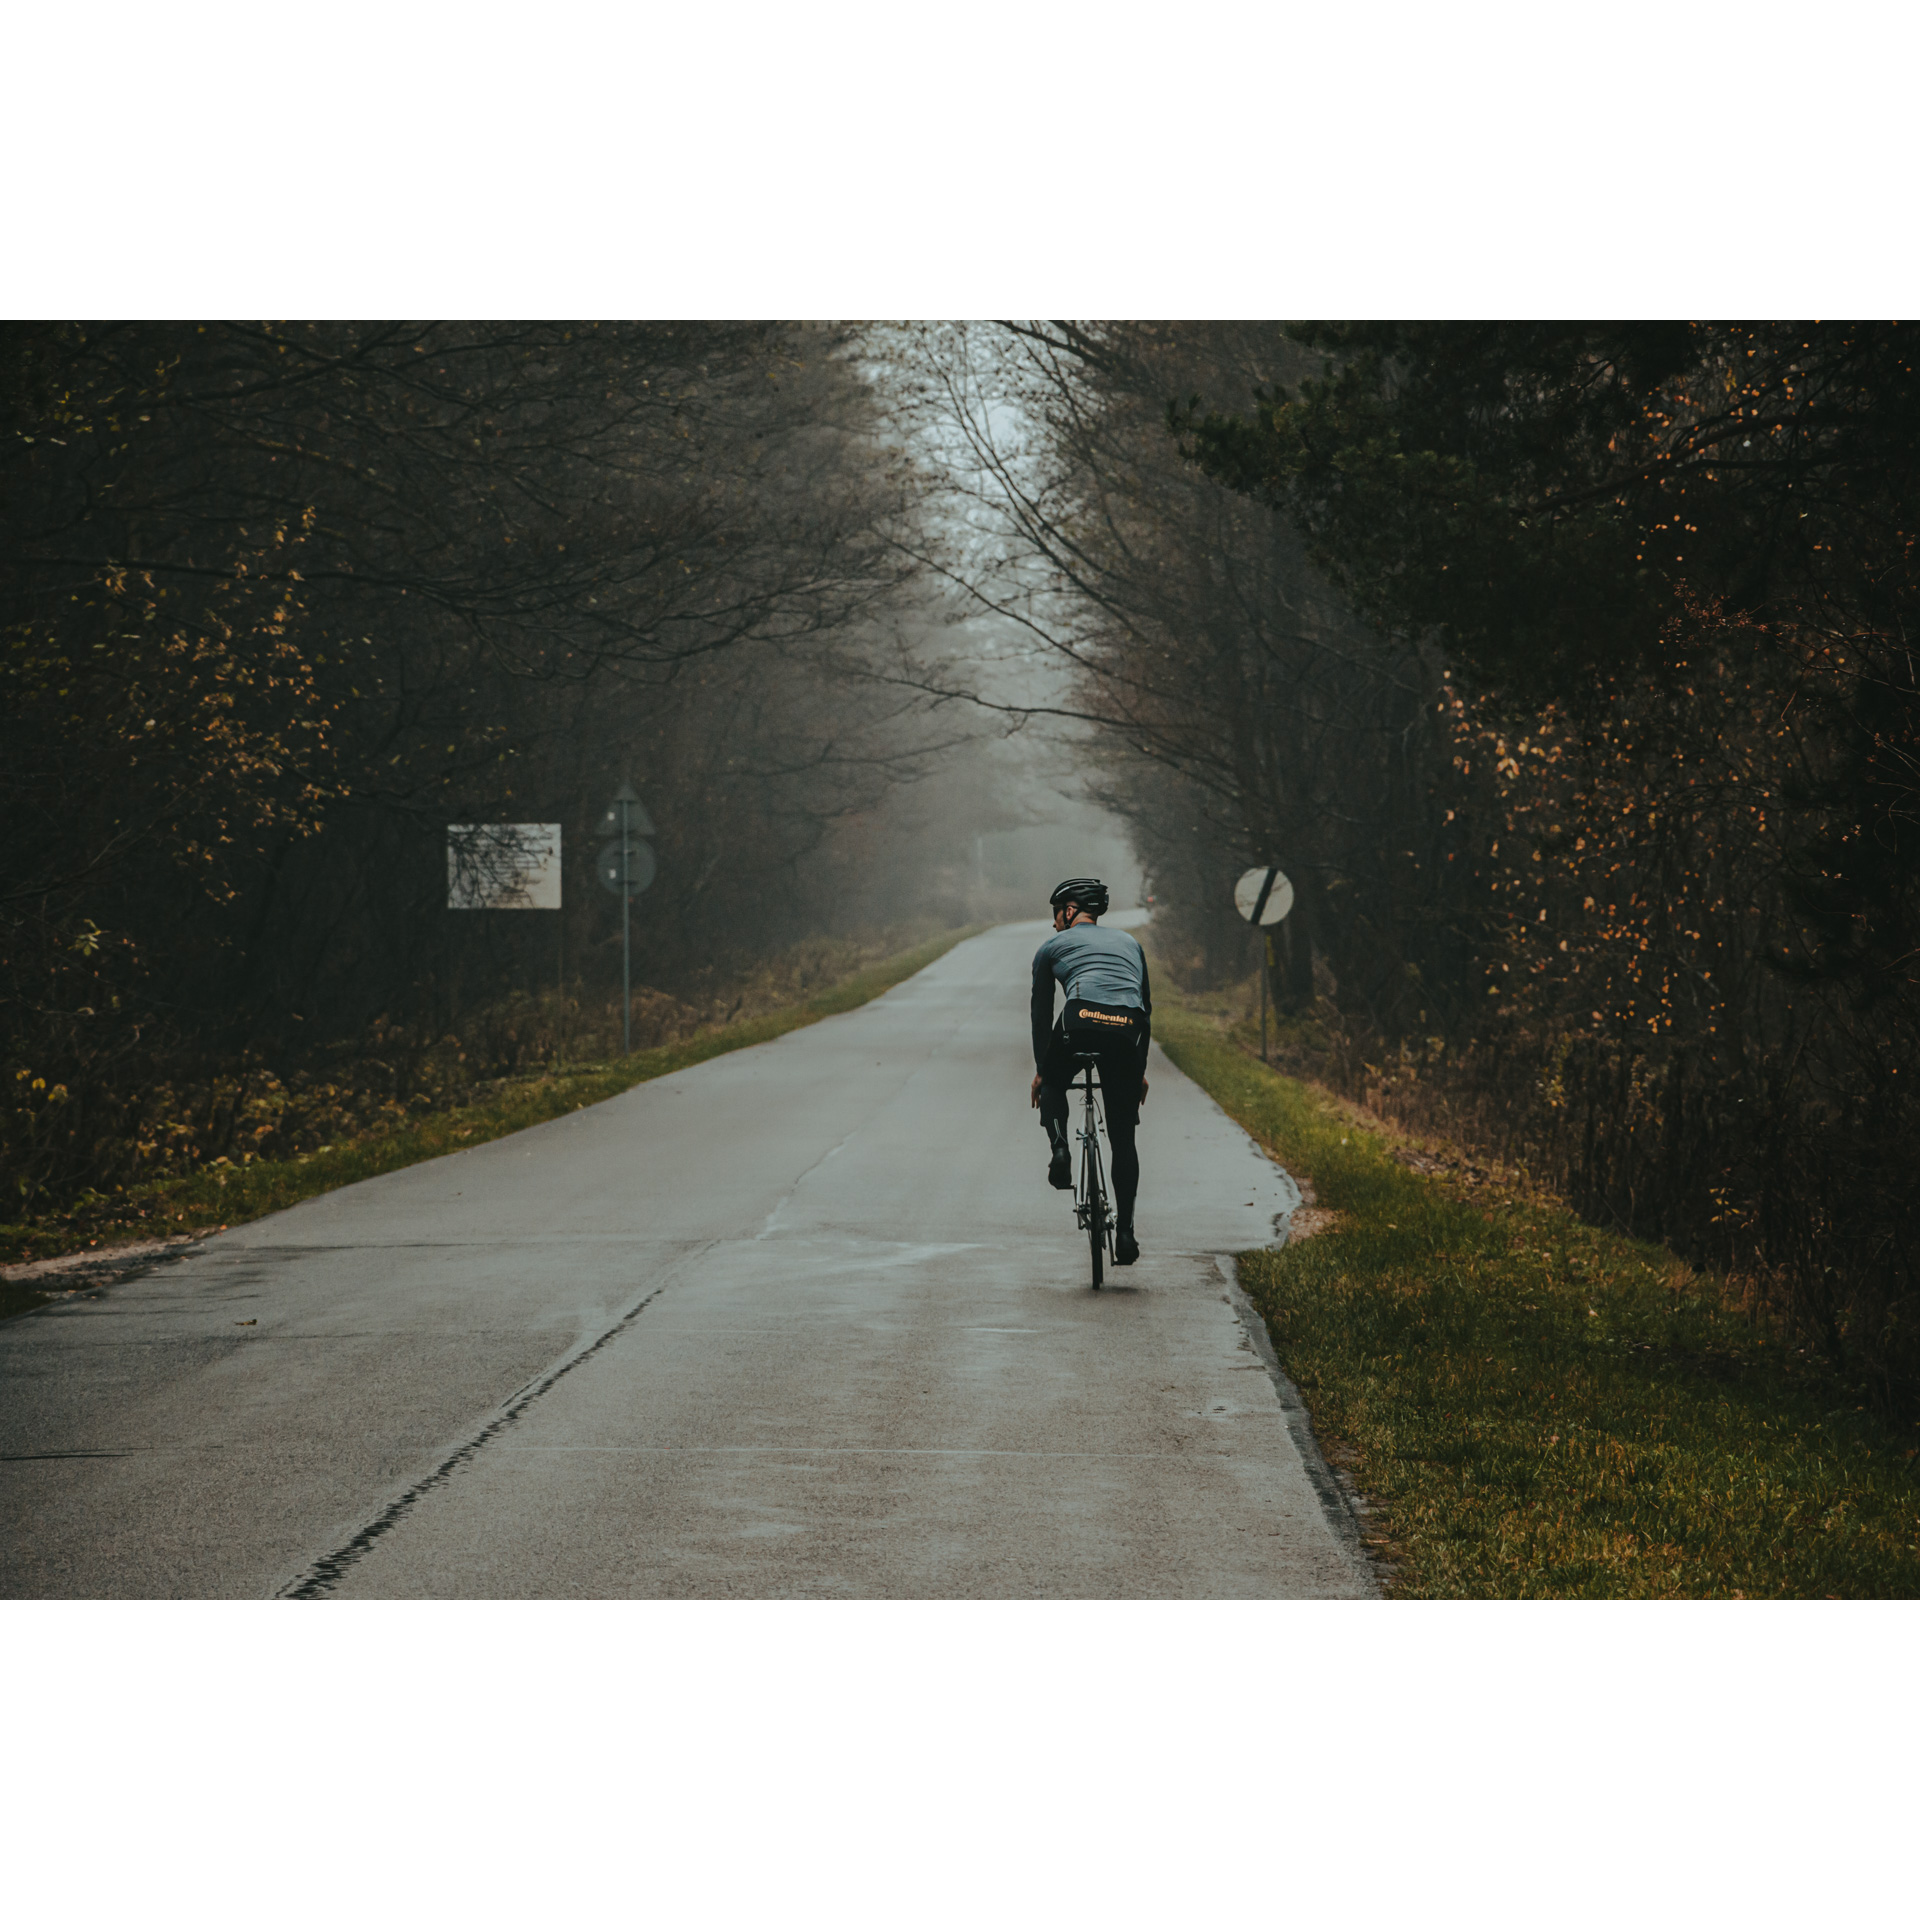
[1091,1207]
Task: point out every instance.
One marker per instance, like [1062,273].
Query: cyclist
[1109,1011]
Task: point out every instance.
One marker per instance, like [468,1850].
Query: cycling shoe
[1126,1249]
[1060,1171]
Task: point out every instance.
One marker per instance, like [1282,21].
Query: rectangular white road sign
[514,866]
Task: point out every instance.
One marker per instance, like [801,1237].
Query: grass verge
[228,1195]
[1536,1408]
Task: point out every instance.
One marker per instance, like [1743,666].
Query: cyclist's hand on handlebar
[1034,1098]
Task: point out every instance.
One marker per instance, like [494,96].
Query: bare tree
[282,601]
[1230,695]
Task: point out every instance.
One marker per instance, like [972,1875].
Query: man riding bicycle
[1109,1012]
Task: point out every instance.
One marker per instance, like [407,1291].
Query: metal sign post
[627,868]
[626,936]
[1264,897]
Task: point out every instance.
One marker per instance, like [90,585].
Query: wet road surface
[803,1320]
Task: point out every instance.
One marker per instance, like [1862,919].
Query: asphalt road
[804,1320]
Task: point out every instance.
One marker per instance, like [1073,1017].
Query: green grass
[227,1195]
[1536,1408]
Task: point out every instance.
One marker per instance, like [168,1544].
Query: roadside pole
[626,925]
[1263,896]
[626,867]
[1266,967]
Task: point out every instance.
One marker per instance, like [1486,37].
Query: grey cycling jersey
[1099,965]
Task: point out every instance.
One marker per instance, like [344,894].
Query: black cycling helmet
[1090,896]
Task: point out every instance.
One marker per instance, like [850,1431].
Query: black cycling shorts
[1119,1036]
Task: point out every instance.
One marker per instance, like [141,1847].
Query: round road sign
[1264,895]
[639,868]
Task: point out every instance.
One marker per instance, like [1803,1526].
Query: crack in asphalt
[325,1573]
[773,1219]
[944,1453]
[78,1454]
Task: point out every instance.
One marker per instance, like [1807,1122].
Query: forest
[285,602]
[1566,669]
